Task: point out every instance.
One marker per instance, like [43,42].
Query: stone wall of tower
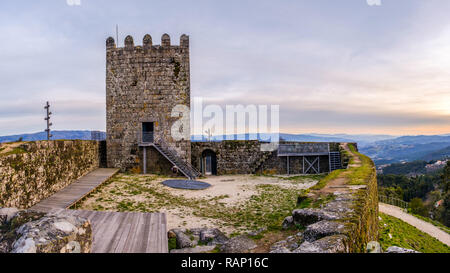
[144,84]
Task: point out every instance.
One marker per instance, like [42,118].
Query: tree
[417,207]
[446,178]
[445,216]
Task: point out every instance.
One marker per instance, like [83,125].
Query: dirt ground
[233,204]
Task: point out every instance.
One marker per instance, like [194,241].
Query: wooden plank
[106,233]
[76,191]
[124,232]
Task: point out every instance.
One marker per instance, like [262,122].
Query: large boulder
[396,249]
[323,229]
[280,250]
[35,232]
[212,237]
[286,246]
[239,244]
[183,239]
[374,247]
[193,250]
[288,223]
[329,244]
[190,238]
[306,217]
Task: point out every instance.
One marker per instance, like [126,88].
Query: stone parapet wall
[233,157]
[244,156]
[349,220]
[33,171]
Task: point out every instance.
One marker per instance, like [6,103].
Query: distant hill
[415,140]
[437,155]
[415,167]
[83,135]
[408,148]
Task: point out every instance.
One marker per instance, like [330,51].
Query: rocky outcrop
[34,232]
[396,249]
[204,240]
[197,240]
[193,250]
[329,244]
[239,244]
[287,246]
[323,229]
[306,217]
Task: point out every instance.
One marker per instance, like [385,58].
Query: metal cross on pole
[209,134]
[47,118]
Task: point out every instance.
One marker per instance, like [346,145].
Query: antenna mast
[47,118]
[117,35]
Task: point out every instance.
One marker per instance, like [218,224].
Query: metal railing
[393,201]
[172,152]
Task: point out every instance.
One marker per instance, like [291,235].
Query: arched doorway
[209,162]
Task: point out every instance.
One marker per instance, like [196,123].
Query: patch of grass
[304,177]
[407,236]
[316,202]
[360,175]
[14,151]
[323,182]
[172,243]
[216,250]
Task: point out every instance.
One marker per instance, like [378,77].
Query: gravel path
[428,228]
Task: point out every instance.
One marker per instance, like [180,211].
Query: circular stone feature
[186,184]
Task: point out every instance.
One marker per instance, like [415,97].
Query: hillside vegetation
[429,194]
[395,232]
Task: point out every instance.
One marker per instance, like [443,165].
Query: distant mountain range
[408,148]
[383,149]
[69,135]
[360,139]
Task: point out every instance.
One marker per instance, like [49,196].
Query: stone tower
[146,86]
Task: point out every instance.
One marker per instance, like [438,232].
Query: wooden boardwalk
[113,232]
[125,232]
[76,191]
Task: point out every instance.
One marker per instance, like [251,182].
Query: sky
[332,66]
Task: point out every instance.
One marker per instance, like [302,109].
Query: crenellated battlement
[147,42]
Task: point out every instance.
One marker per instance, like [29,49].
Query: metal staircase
[184,167]
[335,161]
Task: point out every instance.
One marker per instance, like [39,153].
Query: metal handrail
[174,154]
[393,201]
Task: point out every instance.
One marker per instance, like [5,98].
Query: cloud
[330,65]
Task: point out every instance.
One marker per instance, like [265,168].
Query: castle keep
[147,89]
[144,84]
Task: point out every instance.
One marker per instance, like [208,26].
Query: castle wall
[233,157]
[242,157]
[36,170]
[144,84]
